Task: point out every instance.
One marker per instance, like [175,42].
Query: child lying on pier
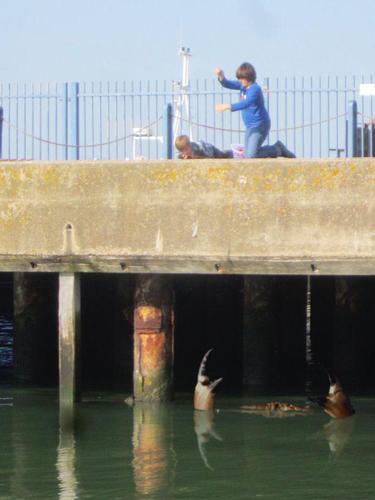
[200,149]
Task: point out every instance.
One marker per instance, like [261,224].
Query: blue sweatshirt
[251,103]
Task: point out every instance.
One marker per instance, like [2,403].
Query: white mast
[182,100]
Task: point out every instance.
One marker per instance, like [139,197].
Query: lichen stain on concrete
[164,176]
[217,173]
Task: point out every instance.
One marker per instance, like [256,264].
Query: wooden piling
[153,338]
[69,336]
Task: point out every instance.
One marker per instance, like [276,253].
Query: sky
[84,40]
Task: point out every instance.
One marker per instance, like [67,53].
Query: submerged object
[336,404]
[203,395]
[276,409]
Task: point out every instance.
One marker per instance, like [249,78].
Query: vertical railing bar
[346,108]
[148,119]
[24,122]
[214,113]
[10,119]
[197,131]
[132,115]
[108,120]
[286,110]
[328,116]
[92,119]
[116,117]
[320,116]
[83,151]
[303,115]
[124,120]
[371,124]
[140,117]
[277,108]
[48,119]
[205,108]
[57,94]
[362,122]
[101,119]
[17,123]
[294,115]
[337,117]
[157,151]
[32,120]
[311,116]
[40,119]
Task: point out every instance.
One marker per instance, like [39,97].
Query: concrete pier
[252,217]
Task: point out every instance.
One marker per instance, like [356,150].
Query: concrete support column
[291,332]
[69,337]
[153,338]
[35,329]
[260,328]
[350,346]
[322,322]
[123,324]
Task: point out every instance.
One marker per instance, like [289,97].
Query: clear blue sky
[59,40]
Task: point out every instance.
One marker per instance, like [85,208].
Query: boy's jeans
[254,137]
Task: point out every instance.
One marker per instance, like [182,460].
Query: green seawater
[116,451]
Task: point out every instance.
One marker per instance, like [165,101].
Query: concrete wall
[212,216]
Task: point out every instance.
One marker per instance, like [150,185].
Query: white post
[69,334]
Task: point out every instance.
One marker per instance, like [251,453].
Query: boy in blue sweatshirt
[254,113]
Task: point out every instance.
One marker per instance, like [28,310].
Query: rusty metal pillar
[260,367]
[153,338]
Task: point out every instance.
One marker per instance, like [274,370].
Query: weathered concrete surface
[213,216]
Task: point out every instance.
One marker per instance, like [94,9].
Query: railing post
[352,132]
[71,120]
[167,132]
[1,131]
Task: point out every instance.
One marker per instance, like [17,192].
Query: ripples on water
[170,452]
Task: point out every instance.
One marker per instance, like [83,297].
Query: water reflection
[152,449]
[204,430]
[66,456]
[338,432]
[122,452]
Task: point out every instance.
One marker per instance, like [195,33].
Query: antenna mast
[182,99]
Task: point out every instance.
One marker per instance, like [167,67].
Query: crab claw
[202,367]
[203,394]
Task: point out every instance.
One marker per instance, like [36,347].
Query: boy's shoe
[284,151]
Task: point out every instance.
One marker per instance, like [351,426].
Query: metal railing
[122,120]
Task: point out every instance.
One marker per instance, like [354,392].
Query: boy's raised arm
[228,84]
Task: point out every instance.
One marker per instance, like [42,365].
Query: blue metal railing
[119,120]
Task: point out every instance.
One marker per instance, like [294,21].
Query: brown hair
[246,71]
[181,142]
